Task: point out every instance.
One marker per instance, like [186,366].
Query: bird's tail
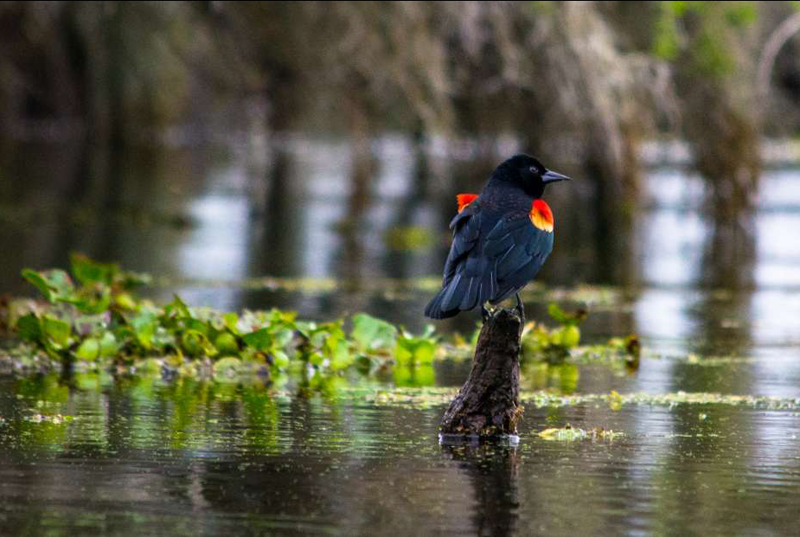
[434,308]
[461,293]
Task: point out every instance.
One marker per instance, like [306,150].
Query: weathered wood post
[487,406]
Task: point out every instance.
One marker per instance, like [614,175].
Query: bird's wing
[516,250]
[457,282]
[466,226]
[488,264]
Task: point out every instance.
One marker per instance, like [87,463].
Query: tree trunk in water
[488,403]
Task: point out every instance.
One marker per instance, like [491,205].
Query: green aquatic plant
[433,396]
[569,433]
[100,319]
[93,319]
[101,285]
[552,345]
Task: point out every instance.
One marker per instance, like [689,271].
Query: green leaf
[401,373]
[339,354]
[277,316]
[30,327]
[195,343]
[557,313]
[226,344]
[92,299]
[54,284]
[335,346]
[281,337]
[89,350]
[108,345]
[371,333]
[144,328]
[125,301]
[227,366]
[260,340]
[410,350]
[88,271]
[414,376]
[40,282]
[177,308]
[199,326]
[150,367]
[316,359]
[57,331]
[281,359]
[306,328]
[231,321]
[570,336]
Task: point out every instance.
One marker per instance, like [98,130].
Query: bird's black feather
[496,248]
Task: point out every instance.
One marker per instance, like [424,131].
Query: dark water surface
[717,308]
[146,457]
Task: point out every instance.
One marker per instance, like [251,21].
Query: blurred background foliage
[583,81]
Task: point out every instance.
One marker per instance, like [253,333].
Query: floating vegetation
[553,345]
[100,321]
[404,397]
[560,345]
[569,433]
[615,400]
[93,320]
[56,419]
[714,361]
[434,396]
[617,354]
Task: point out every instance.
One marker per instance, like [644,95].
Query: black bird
[501,239]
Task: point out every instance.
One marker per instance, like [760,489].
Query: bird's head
[528,173]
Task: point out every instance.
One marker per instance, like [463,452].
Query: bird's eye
[532,169]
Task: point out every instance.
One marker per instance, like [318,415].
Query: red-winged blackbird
[500,239]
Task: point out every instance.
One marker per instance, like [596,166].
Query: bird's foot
[520,309]
[485,314]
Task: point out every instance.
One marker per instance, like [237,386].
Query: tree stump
[487,406]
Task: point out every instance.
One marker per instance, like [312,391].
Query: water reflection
[280,227]
[492,471]
[187,456]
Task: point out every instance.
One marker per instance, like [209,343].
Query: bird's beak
[552,177]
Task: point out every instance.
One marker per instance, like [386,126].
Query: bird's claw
[520,309]
[485,313]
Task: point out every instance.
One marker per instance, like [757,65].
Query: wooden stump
[488,404]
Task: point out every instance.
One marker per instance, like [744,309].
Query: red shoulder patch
[541,216]
[464,200]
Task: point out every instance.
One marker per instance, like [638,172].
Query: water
[145,456]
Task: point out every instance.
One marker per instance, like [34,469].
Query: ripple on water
[187,460]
